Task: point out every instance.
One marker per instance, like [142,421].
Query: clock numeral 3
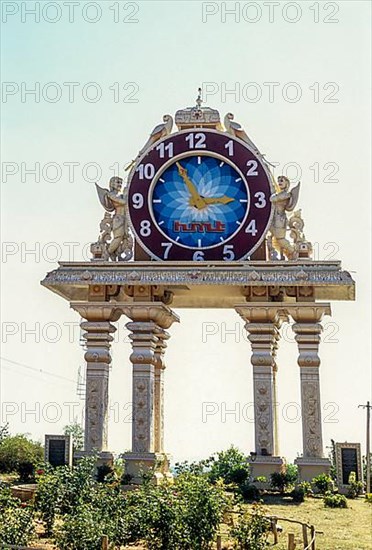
[252,165]
[228,252]
[196,141]
[198,256]
[146,171]
[145,229]
[261,202]
[137,200]
[167,247]
[251,228]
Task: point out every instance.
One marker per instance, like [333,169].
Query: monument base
[265,466]
[310,467]
[103,457]
[138,465]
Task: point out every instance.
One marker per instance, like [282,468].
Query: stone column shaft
[98,340]
[144,343]
[307,329]
[161,345]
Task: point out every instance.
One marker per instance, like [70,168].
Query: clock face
[200,195]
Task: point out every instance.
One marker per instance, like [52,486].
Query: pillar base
[265,466]
[310,467]
[138,464]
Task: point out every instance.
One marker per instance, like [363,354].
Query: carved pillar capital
[97,311]
[157,312]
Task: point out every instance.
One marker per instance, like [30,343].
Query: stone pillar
[307,329]
[149,321]
[262,323]
[98,330]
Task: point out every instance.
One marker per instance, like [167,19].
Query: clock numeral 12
[252,228]
[163,149]
[196,141]
[146,171]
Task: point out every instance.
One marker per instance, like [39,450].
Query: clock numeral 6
[261,202]
[146,171]
[196,141]
[167,247]
[137,200]
[252,228]
[198,256]
[145,228]
[163,149]
[228,252]
[252,165]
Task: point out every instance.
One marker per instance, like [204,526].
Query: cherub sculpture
[115,241]
[284,201]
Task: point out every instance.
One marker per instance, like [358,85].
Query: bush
[26,471]
[322,482]
[104,471]
[355,487]
[369,498]
[251,530]
[231,466]
[249,491]
[298,494]
[335,501]
[16,450]
[282,480]
[16,520]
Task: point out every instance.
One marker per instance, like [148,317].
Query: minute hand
[196,199]
[218,200]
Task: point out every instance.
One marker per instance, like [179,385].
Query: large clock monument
[201,223]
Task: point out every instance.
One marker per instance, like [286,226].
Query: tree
[77,434]
[18,451]
[4,432]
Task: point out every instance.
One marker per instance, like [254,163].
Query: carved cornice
[201,273]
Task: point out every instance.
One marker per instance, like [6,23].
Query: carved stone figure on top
[115,241]
[160,131]
[235,129]
[284,201]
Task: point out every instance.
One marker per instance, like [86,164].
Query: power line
[40,371]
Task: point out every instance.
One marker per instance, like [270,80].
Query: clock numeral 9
[252,228]
[146,171]
[145,228]
[162,148]
[196,141]
[198,256]
[228,252]
[137,200]
[261,202]
[252,165]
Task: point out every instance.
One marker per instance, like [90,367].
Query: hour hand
[196,200]
[218,200]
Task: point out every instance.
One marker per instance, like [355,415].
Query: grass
[344,529]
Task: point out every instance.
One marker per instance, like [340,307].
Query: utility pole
[368,457]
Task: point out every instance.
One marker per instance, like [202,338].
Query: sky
[297,77]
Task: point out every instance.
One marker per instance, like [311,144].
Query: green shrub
[249,491]
[322,483]
[282,480]
[231,466]
[251,530]
[104,471]
[26,471]
[298,494]
[355,487]
[335,501]
[16,520]
[18,449]
[369,498]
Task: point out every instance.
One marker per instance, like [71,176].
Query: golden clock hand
[218,200]
[196,200]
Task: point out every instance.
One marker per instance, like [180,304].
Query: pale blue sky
[168,54]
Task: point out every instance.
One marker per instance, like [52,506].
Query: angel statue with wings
[115,241]
[283,201]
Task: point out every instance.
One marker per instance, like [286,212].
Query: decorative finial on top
[199,100]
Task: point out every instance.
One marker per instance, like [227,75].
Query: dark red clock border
[244,243]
